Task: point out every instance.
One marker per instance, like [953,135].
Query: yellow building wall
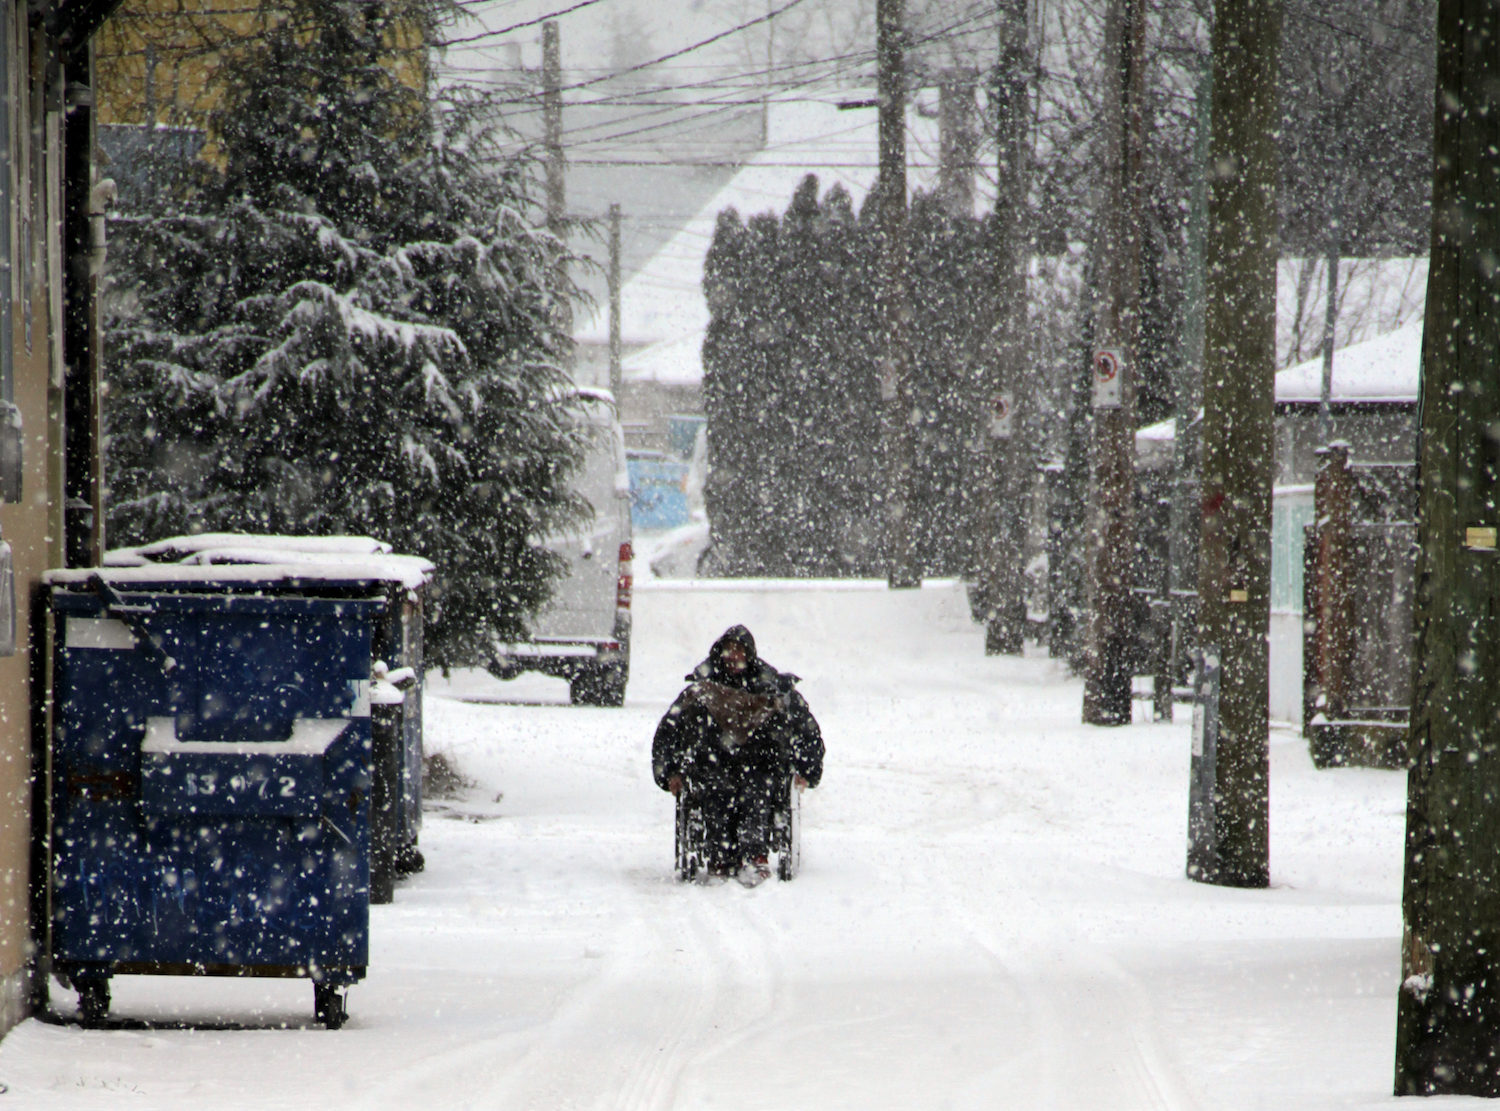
[163,53]
[32,527]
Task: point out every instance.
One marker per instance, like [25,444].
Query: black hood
[736,634]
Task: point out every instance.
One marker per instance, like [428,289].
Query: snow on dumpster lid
[242,558]
[174,548]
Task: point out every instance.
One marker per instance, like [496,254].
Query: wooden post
[1333,498]
[1234,570]
[1448,1024]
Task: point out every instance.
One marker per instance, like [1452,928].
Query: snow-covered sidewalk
[992,913]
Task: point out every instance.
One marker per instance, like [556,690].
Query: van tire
[598,686]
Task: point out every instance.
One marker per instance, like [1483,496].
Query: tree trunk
[1234,573]
[1448,1025]
[1002,542]
[1117,313]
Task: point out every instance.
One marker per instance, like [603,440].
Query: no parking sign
[1001,408]
[1109,369]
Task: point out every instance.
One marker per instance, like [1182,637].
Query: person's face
[734,658]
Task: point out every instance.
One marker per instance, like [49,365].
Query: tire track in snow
[1095,1017]
[620,1045]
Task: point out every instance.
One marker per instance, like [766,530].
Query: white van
[583,635]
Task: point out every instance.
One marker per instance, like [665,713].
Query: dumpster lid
[244,558]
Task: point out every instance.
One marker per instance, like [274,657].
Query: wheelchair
[694,836]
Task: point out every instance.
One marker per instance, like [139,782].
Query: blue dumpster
[397,650]
[209,773]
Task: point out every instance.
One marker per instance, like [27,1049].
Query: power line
[850,61]
[519,26]
[675,53]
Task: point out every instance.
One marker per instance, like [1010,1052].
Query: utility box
[209,769]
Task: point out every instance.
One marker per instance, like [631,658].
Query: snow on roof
[239,557]
[1387,368]
[1161,430]
[663,305]
[673,362]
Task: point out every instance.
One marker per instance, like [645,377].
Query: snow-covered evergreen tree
[792,396]
[350,328]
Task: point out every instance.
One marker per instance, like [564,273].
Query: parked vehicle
[583,635]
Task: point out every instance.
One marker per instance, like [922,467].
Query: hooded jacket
[725,726]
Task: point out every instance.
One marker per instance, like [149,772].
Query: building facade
[50,476]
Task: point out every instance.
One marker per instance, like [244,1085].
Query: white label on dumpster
[99,632]
[310,737]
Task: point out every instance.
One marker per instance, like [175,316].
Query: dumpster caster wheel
[328,1006]
[93,1002]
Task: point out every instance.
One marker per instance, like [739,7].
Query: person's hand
[674,784]
[800,782]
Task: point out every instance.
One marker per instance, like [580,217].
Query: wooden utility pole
[1239,367]
[615,348]
[556,166]
[957,139]
[1107,672]
[1002,538]
[1449,1009]
[1182,552]
[552,136]
[902,570]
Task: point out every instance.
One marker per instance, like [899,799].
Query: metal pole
[902,570]
[615,376]
[1330,319]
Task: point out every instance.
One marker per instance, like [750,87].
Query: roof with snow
[1387,368]
[662,306]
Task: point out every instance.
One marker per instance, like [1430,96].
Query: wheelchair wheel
[786,833]
[691,835]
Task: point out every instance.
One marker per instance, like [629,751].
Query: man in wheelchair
[734,749]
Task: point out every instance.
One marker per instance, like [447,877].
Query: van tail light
[626,581]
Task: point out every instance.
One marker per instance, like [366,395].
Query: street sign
[1001,409]
[1109,370]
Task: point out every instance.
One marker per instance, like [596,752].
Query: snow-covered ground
[991,914]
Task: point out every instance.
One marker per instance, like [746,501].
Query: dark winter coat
[725,727]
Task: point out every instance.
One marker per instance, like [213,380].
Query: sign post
[1109,363]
